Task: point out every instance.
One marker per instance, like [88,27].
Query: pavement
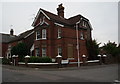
[97,73]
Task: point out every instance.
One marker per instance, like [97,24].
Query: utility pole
[78,44]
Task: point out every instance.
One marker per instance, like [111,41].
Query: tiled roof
[22,35]
[7,37]
[61,20]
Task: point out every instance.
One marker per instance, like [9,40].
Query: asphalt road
[99,73]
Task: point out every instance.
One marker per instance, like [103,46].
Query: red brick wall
[68,37]
[4,49]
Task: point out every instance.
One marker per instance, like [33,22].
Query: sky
[103,16]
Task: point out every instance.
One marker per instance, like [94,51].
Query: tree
[93,49]
[111,48]
[20,49]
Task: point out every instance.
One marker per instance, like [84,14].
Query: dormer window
[84,24]
[59,33]
[81,36]
[38,35]
[43,33]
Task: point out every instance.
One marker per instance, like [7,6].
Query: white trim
[36,25]
[42,63]
[93,61]
[90,25]
[59,24]
[1,57]
[36,35]
[74,62]
[44,32]
[59,33]
[43,23]
[59,37]
[45,14]
[29,34]
[44,50]
[38,63]
[40,11]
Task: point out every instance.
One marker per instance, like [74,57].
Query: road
[99,73]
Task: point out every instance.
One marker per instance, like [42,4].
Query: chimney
[11,32]
[60,10]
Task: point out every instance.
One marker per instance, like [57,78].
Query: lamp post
[77,44]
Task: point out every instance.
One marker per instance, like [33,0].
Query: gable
[39,17]
[60,21]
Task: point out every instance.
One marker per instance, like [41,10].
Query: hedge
[34,59]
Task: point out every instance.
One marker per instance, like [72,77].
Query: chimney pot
[11,32]
[60,10]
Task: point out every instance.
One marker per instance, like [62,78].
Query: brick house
[54,34]
[10,40]
[5,39]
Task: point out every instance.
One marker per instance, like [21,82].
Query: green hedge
[34,59]
[5,61]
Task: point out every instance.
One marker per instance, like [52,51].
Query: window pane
[37,35]
[59,33]
[60,51]
[37,52]
[81,36]
[43,52]
[44,33]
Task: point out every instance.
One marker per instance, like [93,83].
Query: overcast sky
[102,15]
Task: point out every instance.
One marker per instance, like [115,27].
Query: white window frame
[44,52]
[44,33]
[59,33]
[37,35]
[59,51]
[37,52]
[81,36]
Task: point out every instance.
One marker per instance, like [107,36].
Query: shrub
[5,61]
[34,59]
[46,60]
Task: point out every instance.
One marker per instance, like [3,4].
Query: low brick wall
[88,63]
[40,65]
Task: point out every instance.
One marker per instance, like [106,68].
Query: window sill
[59,37]
[82,39]
[43,38]
[70,58]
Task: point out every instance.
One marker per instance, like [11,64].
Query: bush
[34,59]
[5,61]
[46,60]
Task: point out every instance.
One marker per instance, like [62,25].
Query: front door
[70,51]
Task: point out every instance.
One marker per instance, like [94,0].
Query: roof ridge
[25,31]
[52,13]
[73,17]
